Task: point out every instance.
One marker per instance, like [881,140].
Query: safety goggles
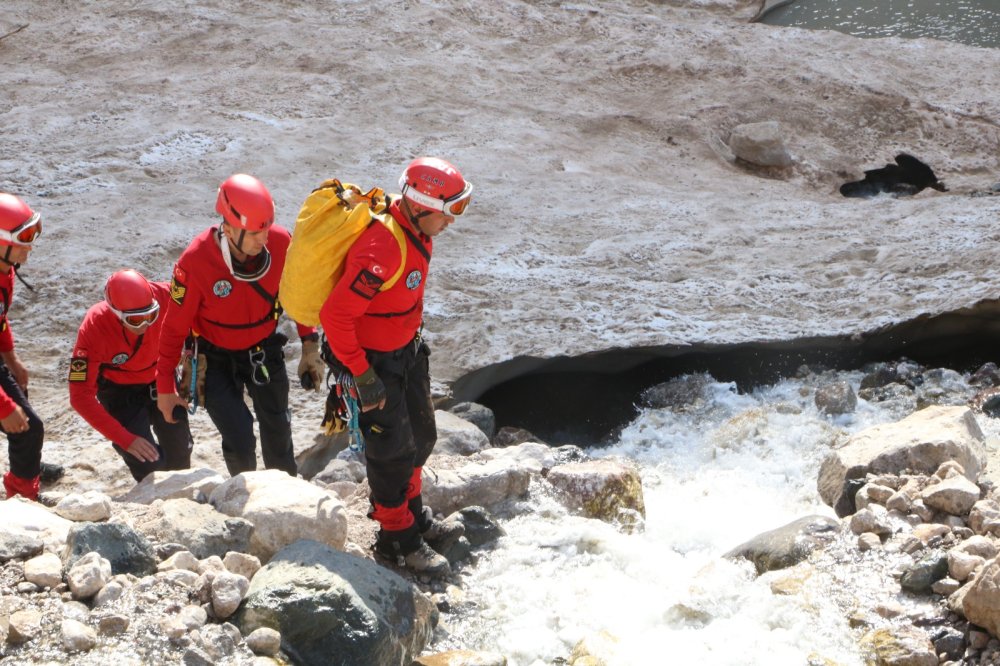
[454,205]
[24,234]
[139,317]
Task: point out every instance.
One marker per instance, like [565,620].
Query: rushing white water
[714,475]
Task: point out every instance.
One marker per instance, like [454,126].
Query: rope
[347,392]
[193,389]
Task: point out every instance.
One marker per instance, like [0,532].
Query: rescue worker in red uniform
[224,291]
[19,228]
[111,376]
[375,335]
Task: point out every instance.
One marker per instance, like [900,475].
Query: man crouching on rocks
[375,336]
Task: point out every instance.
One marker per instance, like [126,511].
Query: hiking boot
[425,561]
[50,473]
[408,550]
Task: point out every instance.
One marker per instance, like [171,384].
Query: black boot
[407,549]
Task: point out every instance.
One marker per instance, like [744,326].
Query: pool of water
[972,22]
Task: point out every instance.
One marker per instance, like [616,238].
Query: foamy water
[713,477]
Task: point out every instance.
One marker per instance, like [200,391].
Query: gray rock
[760,143]
[480,527]
[18,546]
[835,399]
[480,415]
[198,527]
[919,577]
[126,550]
[787,545]
[334,608]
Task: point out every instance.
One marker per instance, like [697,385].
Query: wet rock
[325,602]
[480,527]
[264,641]
[949,642]
[681,394]
[988,374]
[903,645]
[987,402]
[835,399]
[761,143]
[282,509]
[76,636]
[456,436]
[919,577]
[604,489]
[465,658]
[921,443]
[126,550]
[480,415]
[787,545]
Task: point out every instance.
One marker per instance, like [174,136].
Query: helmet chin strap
[415,218]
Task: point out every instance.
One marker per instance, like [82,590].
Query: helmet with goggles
[130,297]
[19,225]
[245,203]
[437,185]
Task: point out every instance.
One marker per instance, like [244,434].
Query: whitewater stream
[716,472]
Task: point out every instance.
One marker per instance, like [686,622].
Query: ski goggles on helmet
[138,317]
[26,233]
[453,205]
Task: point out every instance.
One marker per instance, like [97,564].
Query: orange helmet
[435,184]
[19,225]
[245,203]
[131,298]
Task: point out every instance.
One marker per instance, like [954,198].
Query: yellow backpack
[332,217]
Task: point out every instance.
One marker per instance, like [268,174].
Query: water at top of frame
[972,22]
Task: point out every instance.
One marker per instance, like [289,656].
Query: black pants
[228,374]
[401,435]
[134,406]
[23,448]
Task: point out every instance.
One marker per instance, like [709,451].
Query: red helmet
[436,184]
[245,203]
[131,298]
[19,225]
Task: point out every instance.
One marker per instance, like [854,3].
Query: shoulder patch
[366,284]
[78,370]
[177,289]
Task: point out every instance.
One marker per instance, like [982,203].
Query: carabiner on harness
[258,371]
[193,387]
[342,410]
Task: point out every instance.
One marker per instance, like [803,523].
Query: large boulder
[192,484]
[488,484]
[200,528]
[27,526]
[457,436]
[333,609]
[126,550]
[980,602]
[787,545]
[920,443]
[606,489]
[283,509]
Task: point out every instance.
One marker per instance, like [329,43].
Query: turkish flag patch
[366,284]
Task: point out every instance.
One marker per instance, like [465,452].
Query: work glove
[185,388]
[371,390]
[311,366]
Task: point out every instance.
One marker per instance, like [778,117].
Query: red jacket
[350,314]
[6,335]
[207,299]
[105,348]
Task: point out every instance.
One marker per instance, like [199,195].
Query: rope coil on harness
[193,388]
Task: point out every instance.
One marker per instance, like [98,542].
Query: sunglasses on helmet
[24,234]
[453,205]
[138,317]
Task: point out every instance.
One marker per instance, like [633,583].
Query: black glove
[371,390]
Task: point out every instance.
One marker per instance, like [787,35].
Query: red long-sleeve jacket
[6,335]
[105,348]
[207,299]
[357,316]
